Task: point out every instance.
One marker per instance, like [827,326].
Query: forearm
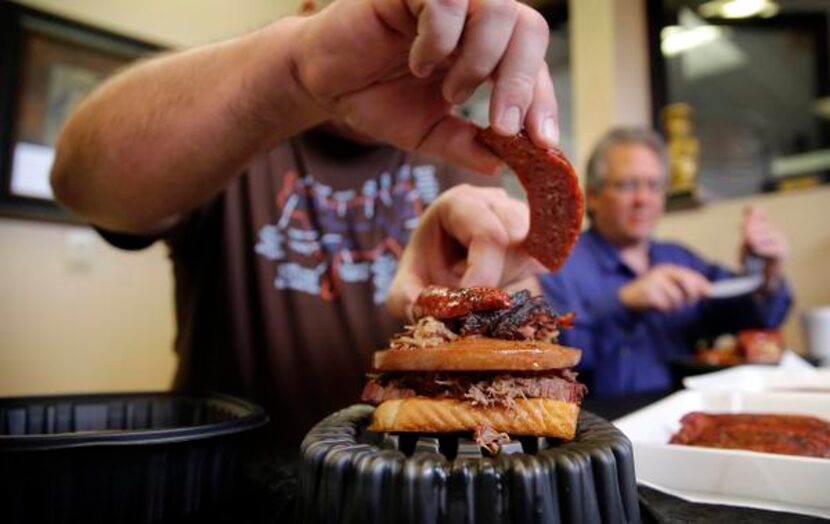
[167,135]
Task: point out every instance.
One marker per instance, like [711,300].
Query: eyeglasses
[630,186]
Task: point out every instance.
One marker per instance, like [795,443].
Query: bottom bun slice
[534,416]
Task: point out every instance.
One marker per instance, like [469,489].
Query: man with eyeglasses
[640,303]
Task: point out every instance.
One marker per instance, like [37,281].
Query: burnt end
[477,323]
[533,310]
[520,298]
[528,318]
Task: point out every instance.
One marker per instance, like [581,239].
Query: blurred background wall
[78,315]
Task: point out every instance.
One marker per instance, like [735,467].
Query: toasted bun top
[479,354]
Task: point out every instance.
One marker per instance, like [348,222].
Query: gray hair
[597,169]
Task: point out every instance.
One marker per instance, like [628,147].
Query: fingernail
[510,120]
[550,131]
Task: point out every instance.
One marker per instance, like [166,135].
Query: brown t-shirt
[281,280]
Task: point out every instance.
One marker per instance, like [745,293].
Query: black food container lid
[132,457]
[348,474]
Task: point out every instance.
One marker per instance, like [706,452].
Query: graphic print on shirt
[323,237]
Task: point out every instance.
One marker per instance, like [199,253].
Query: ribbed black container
[346,475]
[126,458]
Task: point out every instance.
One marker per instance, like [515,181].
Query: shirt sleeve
[126,241]
[185,235]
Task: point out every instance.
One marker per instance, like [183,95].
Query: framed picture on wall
[49,65]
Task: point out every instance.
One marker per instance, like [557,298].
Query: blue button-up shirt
[627,351]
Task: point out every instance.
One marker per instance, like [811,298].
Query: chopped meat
[375,393]
[485,389]
[489,439]
[504,389]
[427,332]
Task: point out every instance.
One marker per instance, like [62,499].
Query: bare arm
[165,136]
[168,134]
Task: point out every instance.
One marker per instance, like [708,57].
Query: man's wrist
[275,70]
[296,48]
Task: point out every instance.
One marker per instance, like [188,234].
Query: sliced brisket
[485,389]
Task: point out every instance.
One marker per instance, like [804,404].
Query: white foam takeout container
[736,477]
[763,378]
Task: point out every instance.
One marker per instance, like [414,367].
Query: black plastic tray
[136,457]
[346,475]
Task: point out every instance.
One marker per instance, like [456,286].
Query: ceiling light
[739,8]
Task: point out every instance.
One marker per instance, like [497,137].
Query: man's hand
[394,69]
[470,236]
[762,239]
[665,287]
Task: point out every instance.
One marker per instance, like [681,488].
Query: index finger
[454,139]
[440,24]
[518,71]
[473,223]
[693,283]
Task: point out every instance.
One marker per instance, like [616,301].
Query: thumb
[453,139]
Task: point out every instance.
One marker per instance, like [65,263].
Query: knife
[742,285]
[735,287]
